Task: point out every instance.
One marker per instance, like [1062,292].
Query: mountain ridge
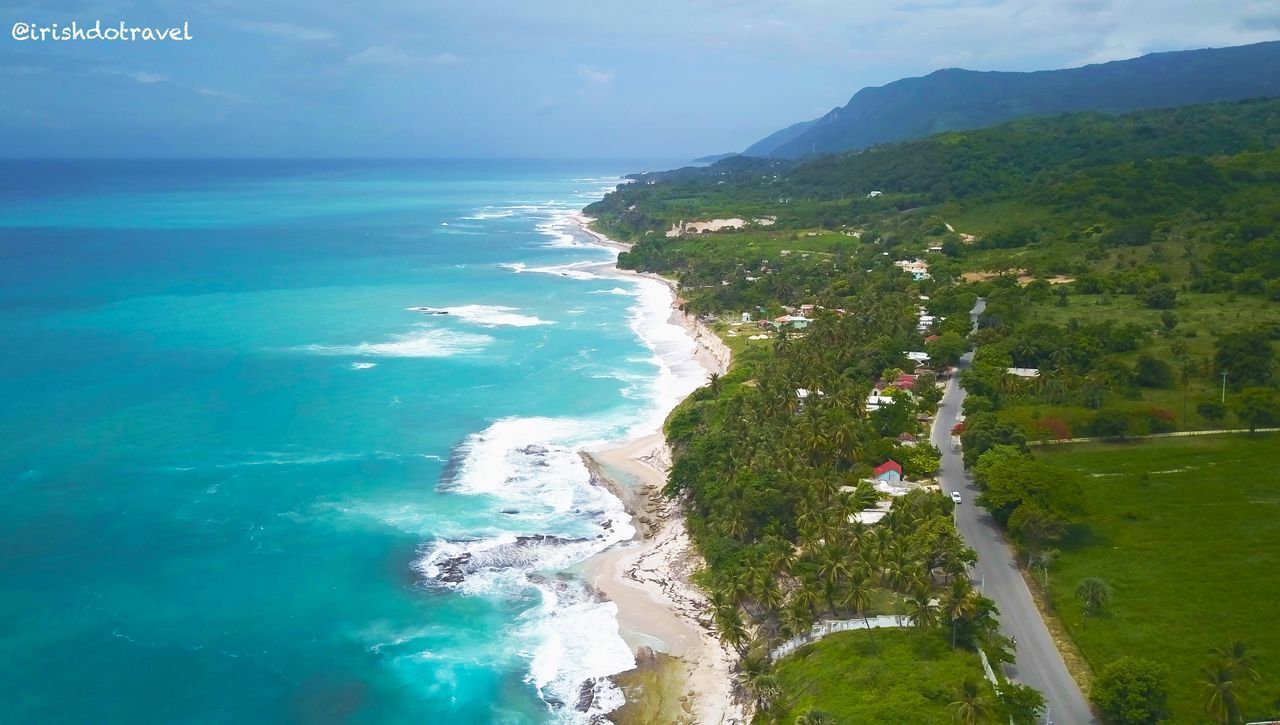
[953,99]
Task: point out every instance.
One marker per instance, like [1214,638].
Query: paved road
[1039,663]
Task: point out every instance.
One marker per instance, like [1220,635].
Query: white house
[1024,372]
[917,268]
[876,401]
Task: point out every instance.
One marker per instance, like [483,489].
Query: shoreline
[648,577]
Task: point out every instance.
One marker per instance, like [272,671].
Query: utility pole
[1224,387]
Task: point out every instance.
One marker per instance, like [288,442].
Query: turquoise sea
[297,441]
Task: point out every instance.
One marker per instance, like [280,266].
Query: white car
[955,496]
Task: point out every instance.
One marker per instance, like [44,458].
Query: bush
[1109,424]
[1051,428]
[1162,420]
[1160,296]
[1152,372]
[1132,691]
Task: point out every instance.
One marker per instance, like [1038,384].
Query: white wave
[272,458]
[516,267]
[679,373]
[565,659]
[426,342]
[573,270]
[615,291]
[531,469]
[490,212]
[486,315]
[560,228]
[363,365]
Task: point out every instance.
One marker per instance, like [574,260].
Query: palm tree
[738,585]
[732,629]
[808,597]
[922,610]
[971,705]
[832,568]
[1237,658]
[960,602]
[770,596]
[895,570]
[796,618]
[1222,699]
[1094,594]
[766,690]
[858,597]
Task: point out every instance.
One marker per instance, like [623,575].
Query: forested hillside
[956,99]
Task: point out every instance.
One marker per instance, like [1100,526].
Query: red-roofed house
[905,381]
[907,439]
[889,472]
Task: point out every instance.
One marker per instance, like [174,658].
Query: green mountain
[1191,191]
[778,139]
[955,99]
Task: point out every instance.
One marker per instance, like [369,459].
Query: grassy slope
[1192,554]
[1201,319]
[898,676]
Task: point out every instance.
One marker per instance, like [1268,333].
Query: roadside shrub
[1132,691]
[1051,428]
[1162,420]
[1109,424]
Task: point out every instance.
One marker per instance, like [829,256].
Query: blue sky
[537,78]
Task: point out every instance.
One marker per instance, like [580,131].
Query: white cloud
[288,31]
[221,95]
[595,75]
[547,104]
[145,77]
[393,57]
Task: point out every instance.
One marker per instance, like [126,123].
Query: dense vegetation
[770,481]
[1129,262]
[990,164]
[1129,247]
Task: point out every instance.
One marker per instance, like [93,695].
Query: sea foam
[555,518]
[424,342]
[486,315]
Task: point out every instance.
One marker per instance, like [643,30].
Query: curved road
[1039,663]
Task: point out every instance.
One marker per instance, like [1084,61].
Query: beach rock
[586,695]
[646,657]
[522,552]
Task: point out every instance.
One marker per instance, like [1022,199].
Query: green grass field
[883,676]
[1186,531]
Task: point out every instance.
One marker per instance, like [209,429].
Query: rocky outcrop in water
[524,551]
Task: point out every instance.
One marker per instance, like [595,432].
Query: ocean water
[250,473]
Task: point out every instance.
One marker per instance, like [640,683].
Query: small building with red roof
[889,472]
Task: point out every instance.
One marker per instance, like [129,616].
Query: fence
[831,626]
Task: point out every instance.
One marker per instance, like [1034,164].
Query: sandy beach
[648,577]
